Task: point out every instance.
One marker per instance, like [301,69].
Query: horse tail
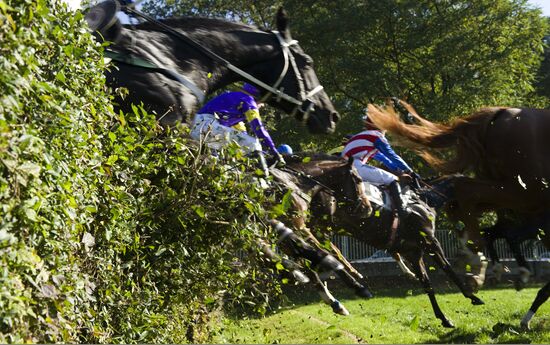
[463,135]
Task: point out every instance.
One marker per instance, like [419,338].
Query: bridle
[303,105]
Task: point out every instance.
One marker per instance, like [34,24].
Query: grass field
[397,317]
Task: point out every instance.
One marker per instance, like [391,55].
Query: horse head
[210,54]
[292,74]
[339,187]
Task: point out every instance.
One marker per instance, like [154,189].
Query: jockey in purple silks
[371,143]
[222,120]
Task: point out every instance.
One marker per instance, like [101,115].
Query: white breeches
[207,128]
[374,175]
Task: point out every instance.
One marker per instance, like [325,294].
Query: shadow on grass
[502,333]
[302,295]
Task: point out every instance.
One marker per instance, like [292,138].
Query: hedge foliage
[112,229]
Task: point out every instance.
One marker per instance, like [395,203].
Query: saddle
[102,19]
[379,197]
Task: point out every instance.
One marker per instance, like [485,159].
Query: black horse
[514,229]
[170,65]
[410,237]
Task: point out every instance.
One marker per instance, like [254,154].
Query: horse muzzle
[318,122]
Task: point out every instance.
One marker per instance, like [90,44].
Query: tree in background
[543,76]
[445,57]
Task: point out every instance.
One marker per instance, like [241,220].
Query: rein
[304,105]
[315,181]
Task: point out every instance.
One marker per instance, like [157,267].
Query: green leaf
[415,322]
[199,211]
[31,214]
[60,76]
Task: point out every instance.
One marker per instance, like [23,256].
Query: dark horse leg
[490,236]
[542,296]
[300,277]
[523,266]
[289,265]
[439,257]
[419,269]
[297,247]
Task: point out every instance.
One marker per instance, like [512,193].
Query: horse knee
[331,263]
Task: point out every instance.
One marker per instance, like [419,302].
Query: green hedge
[111,229]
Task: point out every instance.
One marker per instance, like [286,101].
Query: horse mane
[465,136]
[202,23]
[312,162]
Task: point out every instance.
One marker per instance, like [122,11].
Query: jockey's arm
[396,162]
[253,118]
[379,157]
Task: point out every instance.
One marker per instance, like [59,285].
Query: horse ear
[282,23]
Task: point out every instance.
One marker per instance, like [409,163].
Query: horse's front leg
[326,296]
[292,267]
[347,273]
[403,266]
[420,270]
[443,263]
[542,296]
[523,266]
[320,259]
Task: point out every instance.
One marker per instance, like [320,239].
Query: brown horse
[411,240]
[506,149]
[306,179]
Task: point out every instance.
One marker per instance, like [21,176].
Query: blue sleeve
[397,162]
[379,156]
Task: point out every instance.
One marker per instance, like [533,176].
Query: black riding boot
[395,194]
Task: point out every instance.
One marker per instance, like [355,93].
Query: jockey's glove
[280,160]
[415,175]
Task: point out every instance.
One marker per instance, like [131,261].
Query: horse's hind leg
[542,296]
[444,264]
[420,271]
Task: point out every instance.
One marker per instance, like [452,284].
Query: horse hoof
[477,301]
[525,326]
[364,293]
[447,324]
[338,308]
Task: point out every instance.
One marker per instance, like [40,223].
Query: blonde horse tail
[464,136]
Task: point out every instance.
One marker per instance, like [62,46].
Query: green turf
[396,317]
